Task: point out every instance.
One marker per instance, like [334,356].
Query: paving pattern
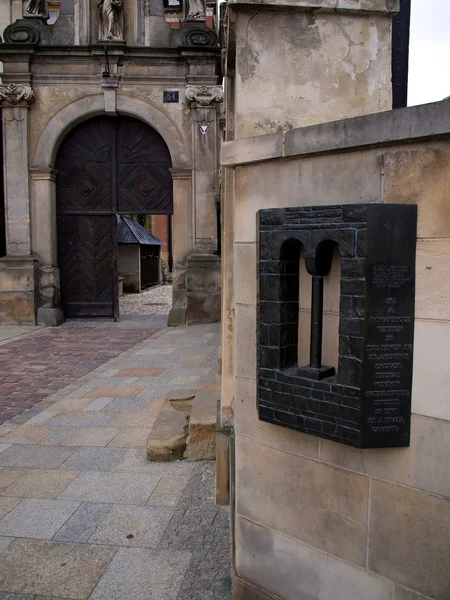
[84,515]
[44,360]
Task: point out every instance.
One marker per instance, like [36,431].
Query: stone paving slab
[39,519]
[143,574]
[124,488]
[56,569]
[83,523]
[179,547]
[140,526]
[40,483]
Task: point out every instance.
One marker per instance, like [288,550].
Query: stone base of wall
[203,279]
[18,285]
[242,591]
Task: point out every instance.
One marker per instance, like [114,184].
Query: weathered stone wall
[316,519]
[297,66]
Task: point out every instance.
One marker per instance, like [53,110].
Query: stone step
[203,419]
[168,436]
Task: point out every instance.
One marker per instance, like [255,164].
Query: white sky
[429,55]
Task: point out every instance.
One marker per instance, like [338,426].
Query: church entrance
[107,166]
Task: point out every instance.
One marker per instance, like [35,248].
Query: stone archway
[43,192]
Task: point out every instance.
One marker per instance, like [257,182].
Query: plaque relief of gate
[367,401]
[105,167]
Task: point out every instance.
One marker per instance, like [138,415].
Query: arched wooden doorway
[106,166]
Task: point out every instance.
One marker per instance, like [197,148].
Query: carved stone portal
[110,19]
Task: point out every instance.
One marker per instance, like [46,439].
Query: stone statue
[39,8]
[110,14]
[194,10]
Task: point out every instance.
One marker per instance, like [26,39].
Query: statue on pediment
[38,8]
[194,10]
[110,14]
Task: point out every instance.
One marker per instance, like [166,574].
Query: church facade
[108,108]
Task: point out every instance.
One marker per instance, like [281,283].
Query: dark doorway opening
[106,166]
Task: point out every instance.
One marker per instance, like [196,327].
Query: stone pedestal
[18,284]
[203,289]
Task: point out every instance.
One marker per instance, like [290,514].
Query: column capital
[204,95]
[45,174]
[15,95]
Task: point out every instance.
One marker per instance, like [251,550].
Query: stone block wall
[316,519]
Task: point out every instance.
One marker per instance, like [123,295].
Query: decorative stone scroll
[203,95]
[367,403]
[14,94]
[21,32]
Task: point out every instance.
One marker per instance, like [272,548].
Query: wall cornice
[399,126]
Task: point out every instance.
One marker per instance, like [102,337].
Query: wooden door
[106,166]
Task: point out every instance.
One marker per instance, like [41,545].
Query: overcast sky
[429,56]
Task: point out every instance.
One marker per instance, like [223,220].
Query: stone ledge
[376,130]
[388,7]
[202,424]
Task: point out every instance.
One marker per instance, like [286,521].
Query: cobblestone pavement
[156,300]
[84,515]
[35,365]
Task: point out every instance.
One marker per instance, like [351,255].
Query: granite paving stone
[4,447]
[144,418]
[94,459]
[34,456]
[127,525]
[9,475]
[139,372]
[142,574]
[80,436]
[39,519]
[25,434]
[4,543]
[125,404]
[115,391]
[79,419]
[135,461]
[70,404]
[40,483]
[169,490]
[129,437]
[7,596]
[126,488]
[55,569]
[84,521]
[98,404]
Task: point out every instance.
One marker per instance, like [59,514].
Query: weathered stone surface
[288,569]
[409,538]
[425,464]
[202,423]
[322,506]
[167,440]
[40,483]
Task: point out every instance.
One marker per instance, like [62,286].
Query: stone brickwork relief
[367,402]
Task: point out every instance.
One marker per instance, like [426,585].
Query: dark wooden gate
[106,166]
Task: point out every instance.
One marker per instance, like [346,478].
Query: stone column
[44,245]
[182,236]
[18,267]
[203,275]
[156,28]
